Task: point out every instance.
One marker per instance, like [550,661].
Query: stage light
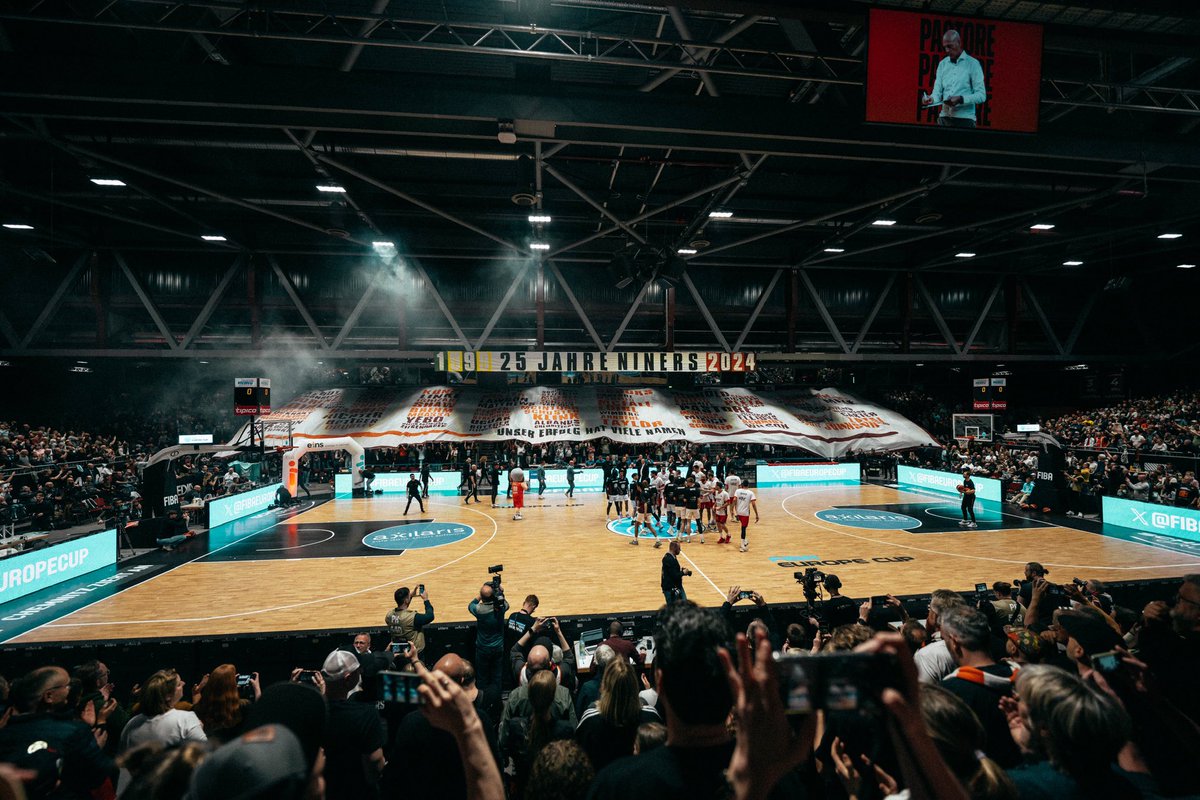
[107,182]
[964,255]
[383,247]
[539,246]
[1170,236]
[686,251]
[883,223]
[720,214]
[1072,263]
[537,219]
[1042,226]
[331,188]
[835,249]
[1185,266]
[18,226]
[213,238]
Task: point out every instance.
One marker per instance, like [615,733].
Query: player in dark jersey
[669,501]
[621,486]
[610,492]
[637,499]
[688,496]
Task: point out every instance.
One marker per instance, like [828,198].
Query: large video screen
[934,69]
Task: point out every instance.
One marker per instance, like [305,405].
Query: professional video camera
[496,572]
[810,579]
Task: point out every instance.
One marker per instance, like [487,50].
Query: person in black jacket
[414,493]
[673,575]
[43,737]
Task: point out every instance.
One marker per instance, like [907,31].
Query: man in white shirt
[744,500]
[934,660]
[720,511]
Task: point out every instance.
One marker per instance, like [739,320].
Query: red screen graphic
[902,59]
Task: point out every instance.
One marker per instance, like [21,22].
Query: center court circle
[418,535]
[869,518]
[624,527]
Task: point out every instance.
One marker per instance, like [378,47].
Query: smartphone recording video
[400,688]
[835,681]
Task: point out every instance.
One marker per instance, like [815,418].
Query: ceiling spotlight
[107,182]
[687,251]
[539,246]
[1186,266]
[1072,263]
[18,226]
[964,255]
[381,245]
[720,214]
[539,218]
[507,134]
[1041,226]
[213,237]
[835,249]
[884,222]
[1170,236]
[331,188]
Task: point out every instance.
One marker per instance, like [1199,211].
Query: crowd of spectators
[55,477]
[1035,691]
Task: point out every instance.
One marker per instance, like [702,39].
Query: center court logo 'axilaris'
[418,535]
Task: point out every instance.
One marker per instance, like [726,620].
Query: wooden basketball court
[312,571]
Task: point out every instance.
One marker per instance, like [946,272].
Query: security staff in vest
[406,625]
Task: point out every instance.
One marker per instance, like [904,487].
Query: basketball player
[516,482]
[720,509]
[659,482]
[610,494]
[744,500]
[637,496]
[669,492]
[967,490]
[708,490]
[621,486]
[689,495]
[732,483]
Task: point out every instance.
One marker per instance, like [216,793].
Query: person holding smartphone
[405,625]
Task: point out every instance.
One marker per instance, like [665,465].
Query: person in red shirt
[516,481]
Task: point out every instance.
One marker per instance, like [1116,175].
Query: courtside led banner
[946,482]
[794,474]
[40,569]
[827,422]
[593,361]
[588,480]
[1180,523]
[903,53]
[227,509]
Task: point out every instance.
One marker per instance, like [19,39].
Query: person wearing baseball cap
[355,735]
[1023,646]
[1088,635]
[267,762]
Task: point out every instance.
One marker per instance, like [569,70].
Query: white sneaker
[962,523]
[657,543]
[744,547]
[688,538]
[702,538]
[972,525]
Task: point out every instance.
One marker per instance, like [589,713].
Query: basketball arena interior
[402,352]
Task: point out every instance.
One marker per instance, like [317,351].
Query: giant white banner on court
[827,422]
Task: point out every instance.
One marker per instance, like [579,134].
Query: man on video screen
[958,86]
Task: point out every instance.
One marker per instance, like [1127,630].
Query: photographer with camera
[541,641]
[489,609]
[761,616]
[673,575]
[405,625]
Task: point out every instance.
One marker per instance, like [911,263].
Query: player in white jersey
[720,514]
[708,489]
[732,483]
[744,500]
